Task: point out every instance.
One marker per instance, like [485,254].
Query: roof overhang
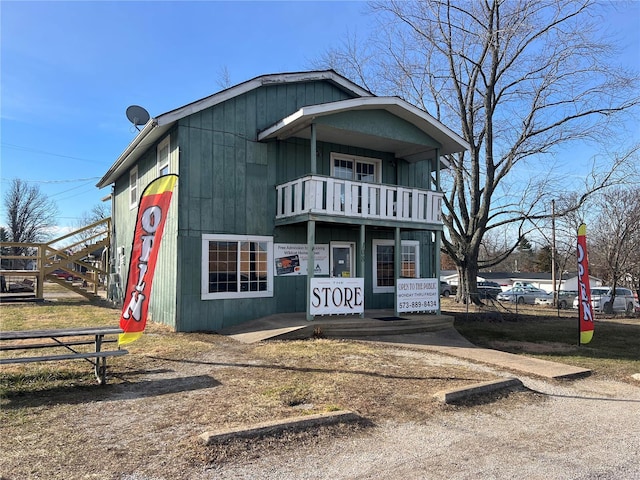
[296,125]
[156,127]
[149,135]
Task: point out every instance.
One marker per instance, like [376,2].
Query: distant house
[567,281]
[284,180]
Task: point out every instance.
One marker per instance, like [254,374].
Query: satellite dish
[137,115]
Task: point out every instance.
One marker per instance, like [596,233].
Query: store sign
[337,296]
[293,259]
[418,295]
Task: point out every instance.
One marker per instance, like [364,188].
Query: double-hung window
[133,187]
[236,266]
[163,156]
[383,263]
[355,169]
[359,169]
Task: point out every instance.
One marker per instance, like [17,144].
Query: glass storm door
[342,257]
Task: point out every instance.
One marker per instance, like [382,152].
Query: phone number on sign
[418,304]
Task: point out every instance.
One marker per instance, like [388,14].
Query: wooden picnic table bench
[66,338]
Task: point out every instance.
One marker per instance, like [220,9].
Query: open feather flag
[585,309]
[152,213]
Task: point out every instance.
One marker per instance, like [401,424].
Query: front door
[342,256]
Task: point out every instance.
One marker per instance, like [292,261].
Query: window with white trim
[236,266]
[133,187]
[383,263]
[359,169]
[163,156]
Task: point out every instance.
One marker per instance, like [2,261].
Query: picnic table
[67,339]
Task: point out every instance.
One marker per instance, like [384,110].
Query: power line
[89,179]
[33,150]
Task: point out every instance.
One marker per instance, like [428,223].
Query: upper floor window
[133,187]
[359,169]
[163,156]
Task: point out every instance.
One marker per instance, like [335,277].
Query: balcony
[370,203]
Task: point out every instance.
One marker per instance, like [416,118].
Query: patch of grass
[613,352]
[45,315]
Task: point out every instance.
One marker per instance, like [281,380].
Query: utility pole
[553,253]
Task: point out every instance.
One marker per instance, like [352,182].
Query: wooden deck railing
[332,196]
[69,253]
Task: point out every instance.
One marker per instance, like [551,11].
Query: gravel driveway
[585,429]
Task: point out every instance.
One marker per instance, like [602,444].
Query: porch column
[438,170]
[438,233]
[436,256]
[314,168]
[397,266]
[361,257]
[311,243]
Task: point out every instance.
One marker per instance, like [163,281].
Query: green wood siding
[227,186]
[162,304]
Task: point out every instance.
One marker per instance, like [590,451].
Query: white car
[601,300]
[522,295]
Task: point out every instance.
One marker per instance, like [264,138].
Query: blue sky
[69,70]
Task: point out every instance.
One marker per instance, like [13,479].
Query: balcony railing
[333,196]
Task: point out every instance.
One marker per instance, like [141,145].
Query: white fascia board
[117,166]
[166,120]
[394,105]
[281,78]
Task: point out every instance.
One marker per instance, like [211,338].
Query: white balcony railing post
[334,196]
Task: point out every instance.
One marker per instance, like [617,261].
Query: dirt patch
[172,387]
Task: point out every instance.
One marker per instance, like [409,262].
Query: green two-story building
[295,191]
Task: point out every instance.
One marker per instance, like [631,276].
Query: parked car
[489,289]
[445,289]
[522,284]
[566,298]
[64,275]
[522,295]
[601,300]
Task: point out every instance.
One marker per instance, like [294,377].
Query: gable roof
[158,126]
[296,125]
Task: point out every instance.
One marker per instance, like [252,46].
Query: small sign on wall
[418,295]
[293,259]
[337,296]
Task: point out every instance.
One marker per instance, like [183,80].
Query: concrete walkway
[450,342]
[430,332]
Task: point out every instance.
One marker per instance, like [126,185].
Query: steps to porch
[75,261]
[293,326]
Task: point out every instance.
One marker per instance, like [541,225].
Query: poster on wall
[418,295]
[336,296]
[292,259]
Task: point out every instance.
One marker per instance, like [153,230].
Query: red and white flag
[152,213]
[585,309]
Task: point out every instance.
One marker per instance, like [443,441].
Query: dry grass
[57,424]
[552,335]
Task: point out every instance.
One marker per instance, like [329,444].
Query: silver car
[522,295]
[601,300]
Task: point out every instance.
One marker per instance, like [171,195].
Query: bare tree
[30,214]
[97,213]
[520,79]
[223,77]
[615,244]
